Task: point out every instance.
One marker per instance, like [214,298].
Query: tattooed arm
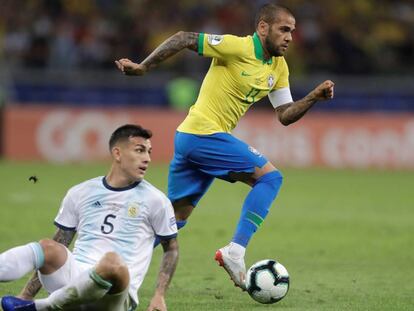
[33,286]
[168,48]
[168,265]
[292,112]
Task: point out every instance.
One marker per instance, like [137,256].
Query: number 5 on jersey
[108,226]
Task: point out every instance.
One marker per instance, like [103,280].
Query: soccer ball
[267,281]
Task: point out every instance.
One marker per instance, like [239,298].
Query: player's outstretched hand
[324,90]
[157,304]
[130,68]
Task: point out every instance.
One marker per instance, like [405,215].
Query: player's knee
[182,209]
[47,243]
[182,215]
[111,262]
[277,179]
[54,253]
[274,179]
[113,269]
[51,249]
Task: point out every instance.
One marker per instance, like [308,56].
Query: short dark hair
[269,12]
[126,131]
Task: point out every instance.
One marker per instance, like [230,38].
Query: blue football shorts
[198,159]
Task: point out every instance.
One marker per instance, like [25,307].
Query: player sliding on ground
[116,218]
[242,71]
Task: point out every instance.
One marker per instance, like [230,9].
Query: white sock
[18,261]
[88,287]
[236,250]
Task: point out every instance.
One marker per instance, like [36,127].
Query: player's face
[134,157]
[280,34]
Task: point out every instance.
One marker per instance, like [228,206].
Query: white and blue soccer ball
[267,281]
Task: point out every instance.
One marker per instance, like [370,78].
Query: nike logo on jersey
[245,74]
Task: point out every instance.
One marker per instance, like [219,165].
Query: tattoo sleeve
[33,286]
[172,46]
[64,237]
[168,265]
[292,112]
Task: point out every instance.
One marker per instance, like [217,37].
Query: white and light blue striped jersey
[122,220]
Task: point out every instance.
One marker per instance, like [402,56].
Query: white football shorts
[69,272]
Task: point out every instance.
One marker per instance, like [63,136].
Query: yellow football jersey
[237,78]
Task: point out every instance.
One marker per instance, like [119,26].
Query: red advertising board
[332,140]
[71,135]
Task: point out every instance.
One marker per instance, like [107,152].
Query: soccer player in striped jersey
[242,71]
[116,218]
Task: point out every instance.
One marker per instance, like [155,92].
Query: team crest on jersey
[255,151]
[133,209]
[214,39]
[270,81]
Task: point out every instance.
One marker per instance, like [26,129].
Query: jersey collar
[107,186]
[258,50]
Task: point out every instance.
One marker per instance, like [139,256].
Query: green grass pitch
[346,237]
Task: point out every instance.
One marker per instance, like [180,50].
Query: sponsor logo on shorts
[255,151]
[214,39]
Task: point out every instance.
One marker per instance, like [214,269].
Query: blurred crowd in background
[58,76]
[344,37]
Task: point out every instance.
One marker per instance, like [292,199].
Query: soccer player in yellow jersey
[242,71]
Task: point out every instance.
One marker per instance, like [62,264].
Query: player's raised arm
[168,48]
[168,265]
[292,112]
[33,286]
